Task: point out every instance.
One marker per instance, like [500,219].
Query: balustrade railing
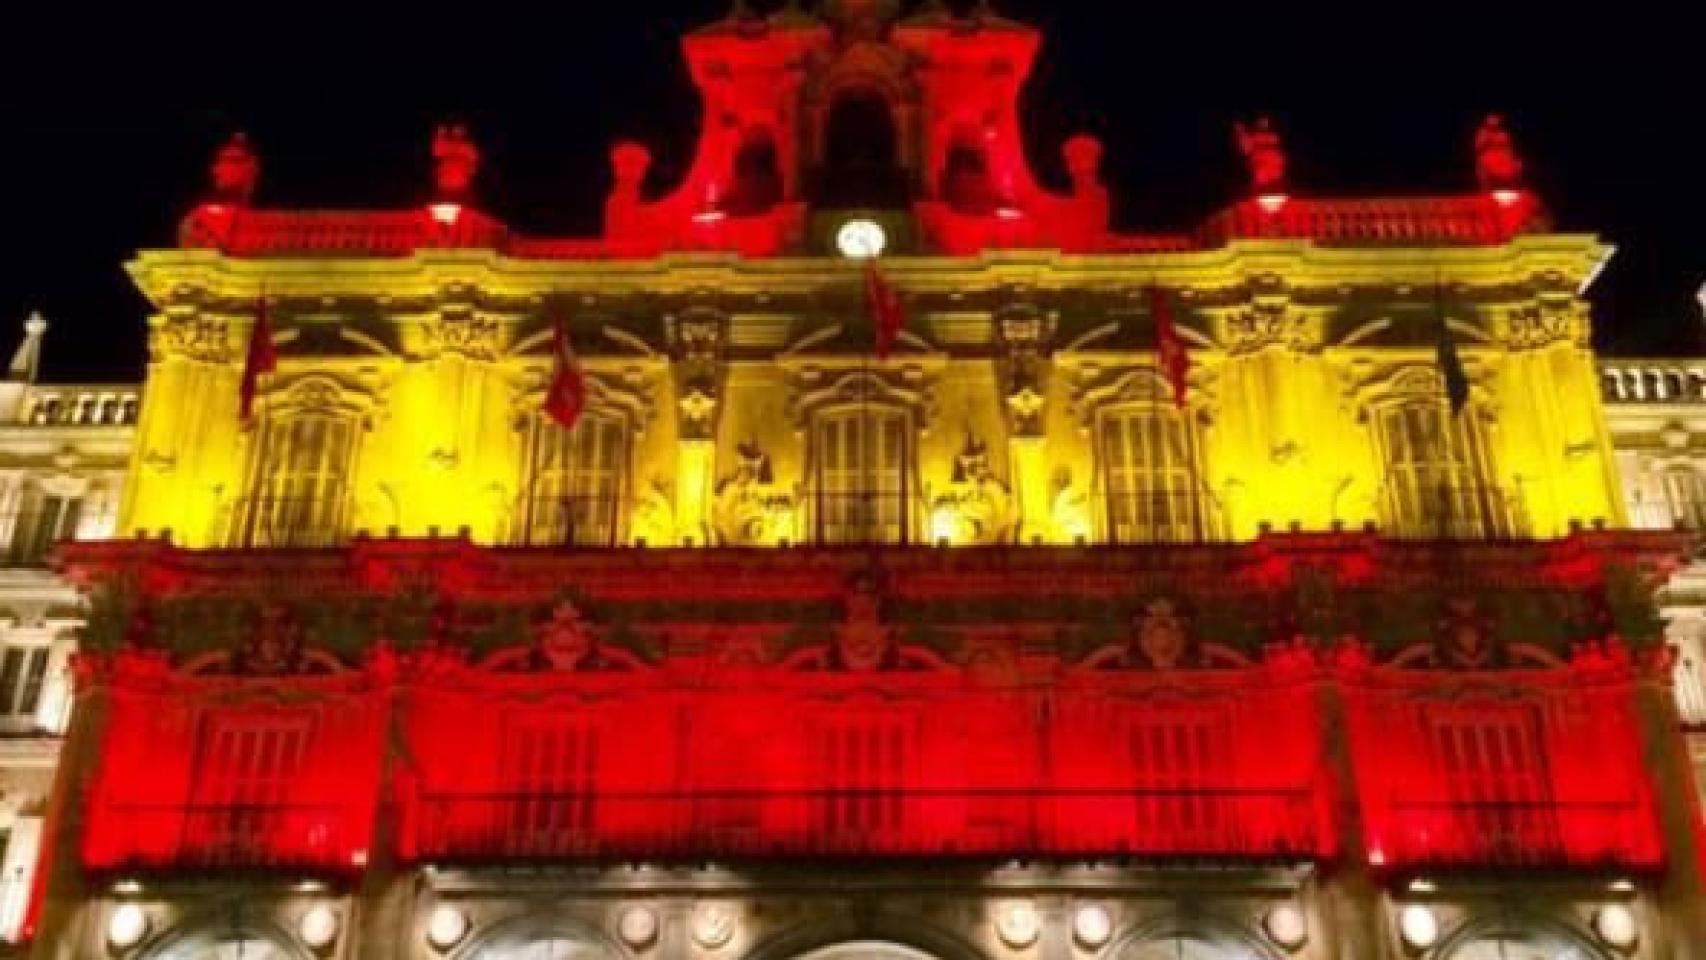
[1165,516]
[1453,512]
[1522,833]
[235,836]
[268,522]
[868,517]
[567,521]
[1162,823]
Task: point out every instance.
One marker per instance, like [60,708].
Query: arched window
[860,165]
[756,184]
[966,185]
[226,944]
[299,489]
[576,482]
[1436,474]
[1193,946]
[862,465]
[1151,477]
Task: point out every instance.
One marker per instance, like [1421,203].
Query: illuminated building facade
[1011,643]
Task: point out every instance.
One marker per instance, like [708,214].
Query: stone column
[1682,894]
[61,895]
[1348,910]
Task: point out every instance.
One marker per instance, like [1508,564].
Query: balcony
[224,836]
[1207,823]
[1521,834]
[1163,516]
[284,522]
[1453,512]
[567,521]
[870,517]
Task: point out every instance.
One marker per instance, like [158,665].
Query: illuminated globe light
[318,927]
[861,239]
[446,213]
[713,926]
[446,926]
[1419,926]
[1272,202]
[1507,198]
[637,926]
[1018,924]
[1092,925]
[127,926]
[1615,924]
[1286,926]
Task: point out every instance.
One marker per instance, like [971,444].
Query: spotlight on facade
[1507,198]
[1286,926]
[446,926]
[1018,924]
[1092,925]
[127,925]
[637,926]
[128,888]
[1419,926]
[1272,202]
[713,926]
[318,927]
[1616,925]
[446,213]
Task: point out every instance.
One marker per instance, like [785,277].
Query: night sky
[110,118]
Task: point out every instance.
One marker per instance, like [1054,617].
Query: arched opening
[226,944]
[756,182]
[1190,947]
[866,950]
[1528,945]
[861,155]
[540,937]
[965,183]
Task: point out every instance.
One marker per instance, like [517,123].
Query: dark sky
[110,117]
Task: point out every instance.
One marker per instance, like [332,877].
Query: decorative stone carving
[976,507]
[1269,321]
[1465,637]
[1543,323]
[274,646]
[465,332]
[1024,334]
[1159,634]
[864,641]
[697,341]
[565,641]
[191,336]
[750,508]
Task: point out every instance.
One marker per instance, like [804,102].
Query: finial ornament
[27,358]
[1497,164]
[1264,156]
[235,171]
[456,161]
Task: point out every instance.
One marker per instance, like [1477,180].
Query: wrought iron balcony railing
[1164,516]
[1522,833]
[567,521]
[1143,822]
[1453,512]
[268,522]
[229,836]
[870,517]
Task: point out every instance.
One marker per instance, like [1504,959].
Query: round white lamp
[127,926]
[318,927]
[713,926]
[637,926]
[1286,926]
[1018,924]
[1092,925]
[1419,926]
[446,926]
[861,239]
[1616,925]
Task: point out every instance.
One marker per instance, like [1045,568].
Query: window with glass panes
[42,521]
[300,492]
[862,457]
[1435,473]
[1489,761]
[23,671]
[577,480]
[1686,494]
[1149,476]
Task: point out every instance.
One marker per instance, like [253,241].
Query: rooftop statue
[1497,165]
[456,161]
[235,170]
[1264,155]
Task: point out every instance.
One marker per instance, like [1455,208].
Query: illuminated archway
[1193,937]
[1518,939]
[882,936]
[542,937]
[243,941]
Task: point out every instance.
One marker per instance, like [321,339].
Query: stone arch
[203,935]
[1480,938]
[1190,934]
[851,936]
[508,937]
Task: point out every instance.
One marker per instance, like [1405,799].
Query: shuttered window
[862,457]
[247,772]
[551,774]
[867,768]
[300,493]
[1179,759]
[577,480]
[1436,476]
[1491,766]
[1149,477]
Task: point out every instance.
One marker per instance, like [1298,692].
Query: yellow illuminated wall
[716,368]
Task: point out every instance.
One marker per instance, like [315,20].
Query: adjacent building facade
[1003,635]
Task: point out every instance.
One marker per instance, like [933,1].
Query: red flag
[888,316]
[262,359]
[566,396]
[1170,352]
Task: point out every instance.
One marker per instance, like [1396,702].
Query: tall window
[23,671]
[42,521]
[866,771]
[1154,492]
[551,767]
[863,458]
[1436,475]
[1685,493]
[1178,760]
[246,774]
[577,480]
[1489,761]
[300,493]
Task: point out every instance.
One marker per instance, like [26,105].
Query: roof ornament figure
[234,171]
[456,160]
[1264,156]
[1497,165]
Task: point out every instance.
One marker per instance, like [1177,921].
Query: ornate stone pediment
[191,335]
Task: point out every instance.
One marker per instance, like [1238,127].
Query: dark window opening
[966,185]
[861,161]
[756,185]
